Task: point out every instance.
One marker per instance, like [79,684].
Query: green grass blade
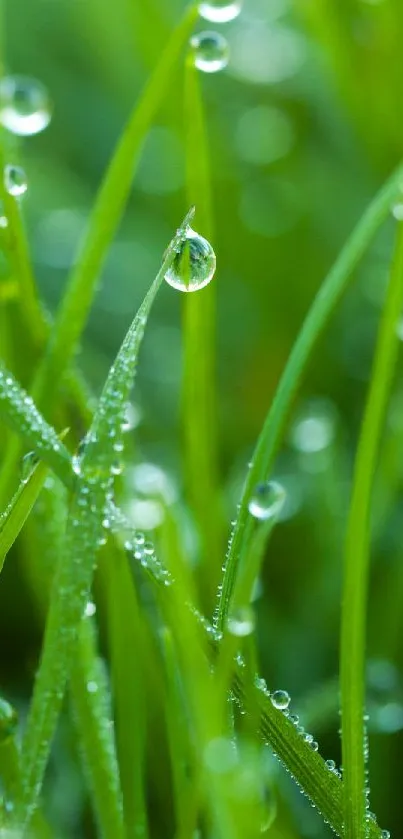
[317,318]
[72,583]
[17,512]
[125,633]
[92,713]
[108,210]
[20,262]
[17,409]
[357,554]
[198,386]
[323,787]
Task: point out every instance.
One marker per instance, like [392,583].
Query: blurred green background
[303,125]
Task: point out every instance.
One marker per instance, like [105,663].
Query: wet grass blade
[198,386]
[324,304]
[18,410]
[21,265]
[92,715]
[86,522]
[357,555]
[17,512]
[108,210]
[321,785]
[125,632]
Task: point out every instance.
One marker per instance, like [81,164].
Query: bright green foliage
[152,713]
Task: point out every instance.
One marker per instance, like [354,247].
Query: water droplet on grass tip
[24,105]
[242,622]
[280,699]
[220,11]
[210,51]
[15,180]
[267,500]
[194,265]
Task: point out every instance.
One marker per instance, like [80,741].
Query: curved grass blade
[198,385]
[72,583]
[357,555]
[325,302]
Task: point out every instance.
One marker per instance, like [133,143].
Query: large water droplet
[280,699]
[267,500]
[15,180]
[210,51]
[242,622]
[24,105]
[194,264]
[220,11]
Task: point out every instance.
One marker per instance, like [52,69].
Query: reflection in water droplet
[242,622]
[24,105]
[220,755]
[220,11]
[331,765]
[194,264]
[267,500]
[280,699]
[210,51]
[15,181]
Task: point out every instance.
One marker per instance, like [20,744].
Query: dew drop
[267,500]
[242,622]
[280,699]
[15,180]
[8,719]
[331,765]
[194,264]
[210,51]
[220,11]
[90,610]
[385,834]
[24,105]
[28,463]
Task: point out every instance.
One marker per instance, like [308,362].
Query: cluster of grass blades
[207,668]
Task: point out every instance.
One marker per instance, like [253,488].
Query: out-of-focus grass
[303,127]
